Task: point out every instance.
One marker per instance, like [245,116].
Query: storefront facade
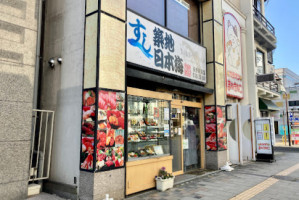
[148,114]
[153,88]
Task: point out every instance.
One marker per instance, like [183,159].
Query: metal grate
[41,144]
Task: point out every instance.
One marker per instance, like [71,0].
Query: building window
[181,16]
[260,63]
[293,103]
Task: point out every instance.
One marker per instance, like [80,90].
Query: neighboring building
[18,64]
[289,78]
[290,81]
[138,85]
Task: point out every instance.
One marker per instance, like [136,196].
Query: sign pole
[288,123]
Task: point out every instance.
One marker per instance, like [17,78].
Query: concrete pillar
[246,8]
[104,68]
[213,40]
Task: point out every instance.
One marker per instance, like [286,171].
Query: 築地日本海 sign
[152,46]
[233,56]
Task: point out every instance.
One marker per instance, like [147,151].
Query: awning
[267,105]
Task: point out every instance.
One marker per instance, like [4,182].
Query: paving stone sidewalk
[226,185]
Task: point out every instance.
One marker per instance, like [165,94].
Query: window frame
[199,18]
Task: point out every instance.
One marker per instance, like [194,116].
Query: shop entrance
[185,136]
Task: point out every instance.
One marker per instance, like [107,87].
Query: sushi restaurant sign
[155,47]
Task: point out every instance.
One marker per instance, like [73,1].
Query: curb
[286,149]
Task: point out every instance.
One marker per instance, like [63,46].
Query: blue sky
[284,16]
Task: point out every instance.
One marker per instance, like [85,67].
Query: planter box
[164,184]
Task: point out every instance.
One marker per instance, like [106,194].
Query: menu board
[88,129]
[110,130]
[263,136]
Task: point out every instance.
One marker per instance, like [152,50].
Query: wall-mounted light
[51,63]
[229,112]
[59,60]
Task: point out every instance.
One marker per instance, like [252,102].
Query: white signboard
[155,47]
[233,56]
[263,136]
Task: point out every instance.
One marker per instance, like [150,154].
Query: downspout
[39,52]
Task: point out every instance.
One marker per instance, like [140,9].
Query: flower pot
[164,184]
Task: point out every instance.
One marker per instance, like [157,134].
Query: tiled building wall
[18,36]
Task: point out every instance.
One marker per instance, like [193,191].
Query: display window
[148,127]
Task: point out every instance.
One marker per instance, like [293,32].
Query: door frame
[175,103]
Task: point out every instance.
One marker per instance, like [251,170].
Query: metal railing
[264,21]
[41,144]
[272,86]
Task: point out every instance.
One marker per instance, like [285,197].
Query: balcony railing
[263,20]
[271,86]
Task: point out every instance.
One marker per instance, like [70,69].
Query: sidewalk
[254,180]
[226,185]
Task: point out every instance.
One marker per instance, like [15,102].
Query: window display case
[148,138]
[148,127]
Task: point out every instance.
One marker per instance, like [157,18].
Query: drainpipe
[39,52]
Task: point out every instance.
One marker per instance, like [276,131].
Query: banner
[233,56]
[152,46]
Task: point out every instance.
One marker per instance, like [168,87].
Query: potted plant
[164,180]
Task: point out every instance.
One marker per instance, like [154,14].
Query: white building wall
[62,86]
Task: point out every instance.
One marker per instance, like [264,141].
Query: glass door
[176,139]
[191,138]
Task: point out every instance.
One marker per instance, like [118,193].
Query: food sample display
[148,127]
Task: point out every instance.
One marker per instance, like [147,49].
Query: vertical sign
[233,56]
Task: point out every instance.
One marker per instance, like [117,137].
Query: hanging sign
[233,56]
[155,47]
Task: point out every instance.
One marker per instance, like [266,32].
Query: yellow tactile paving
[248,194]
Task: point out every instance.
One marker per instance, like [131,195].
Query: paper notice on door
[179,131]
[266,127]
[166,130]
[166,113]
[185,143]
